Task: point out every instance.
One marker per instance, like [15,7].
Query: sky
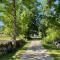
[56,2]
[1,23]
[39,0]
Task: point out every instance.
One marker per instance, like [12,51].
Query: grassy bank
[52,50]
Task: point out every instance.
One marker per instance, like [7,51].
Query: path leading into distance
[36,51]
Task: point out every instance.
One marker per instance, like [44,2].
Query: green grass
[10,38]
[52,50]
[15,54]
[5,38]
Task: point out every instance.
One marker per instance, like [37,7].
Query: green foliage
[27,12]
[24,15]
[52,34]
[23,21]
[50,21]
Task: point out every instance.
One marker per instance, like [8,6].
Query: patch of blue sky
[56,2]
[39,0]
[1,23]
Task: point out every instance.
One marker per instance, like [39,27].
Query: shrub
[52,34]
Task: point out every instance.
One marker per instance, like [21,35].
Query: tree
[14,22]
[20,18]
[50,19]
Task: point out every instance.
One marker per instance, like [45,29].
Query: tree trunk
[14,23]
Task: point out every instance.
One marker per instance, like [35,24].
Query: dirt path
[36,52]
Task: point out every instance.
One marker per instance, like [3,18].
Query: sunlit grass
[55,54]
[5,38]
[10,38]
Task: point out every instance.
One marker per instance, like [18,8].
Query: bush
[52,34]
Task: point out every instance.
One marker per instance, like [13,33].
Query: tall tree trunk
[14,22]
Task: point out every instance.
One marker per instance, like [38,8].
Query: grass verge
[52,50]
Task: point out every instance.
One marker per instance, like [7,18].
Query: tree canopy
[30,15]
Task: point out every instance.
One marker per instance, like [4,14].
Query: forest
[25,21]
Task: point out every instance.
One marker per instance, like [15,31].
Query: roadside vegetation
[52,50]
[15,53]
[20,19]
[52,43]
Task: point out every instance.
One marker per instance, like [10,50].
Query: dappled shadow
[36,57]
[34,48]
[50,46]
[53,51]
[11,55]
[36,52]
[57,56]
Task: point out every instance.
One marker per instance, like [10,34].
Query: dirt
[36,51]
